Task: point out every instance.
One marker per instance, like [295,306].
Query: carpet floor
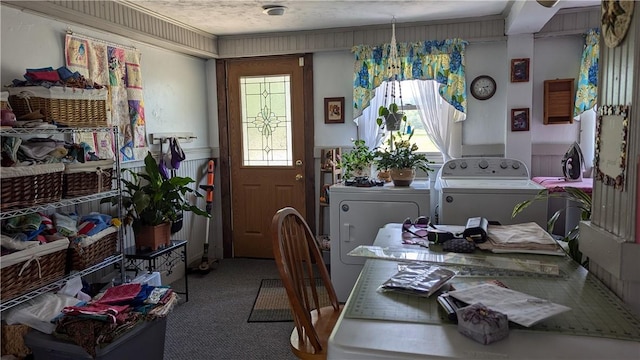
[272,303]
[213,323]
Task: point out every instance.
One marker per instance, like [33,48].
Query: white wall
[486,118]
[333,77]
[175,86]
[554,58]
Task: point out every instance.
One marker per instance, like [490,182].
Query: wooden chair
[304,276]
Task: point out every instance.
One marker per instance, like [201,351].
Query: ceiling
[238,17]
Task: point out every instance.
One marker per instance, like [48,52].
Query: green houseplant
[391,117]
[358,161]
[401,159]
[151,201]
[582,201]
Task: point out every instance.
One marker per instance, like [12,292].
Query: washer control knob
[452,165]
[483,164]
[503,165]
[515,165]
[463,165]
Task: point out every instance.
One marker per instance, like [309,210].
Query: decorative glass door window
[266,120]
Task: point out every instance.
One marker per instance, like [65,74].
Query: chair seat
[323,325]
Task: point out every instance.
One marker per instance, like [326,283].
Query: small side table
[167,257]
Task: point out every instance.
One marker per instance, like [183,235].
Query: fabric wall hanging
[616,19]
[117,67]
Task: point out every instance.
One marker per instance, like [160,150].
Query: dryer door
[359,222]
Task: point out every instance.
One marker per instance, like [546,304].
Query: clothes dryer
[356,215]
[487,187]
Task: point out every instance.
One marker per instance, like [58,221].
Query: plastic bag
[418,279]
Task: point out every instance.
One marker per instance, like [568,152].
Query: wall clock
[616,18]
[483,87]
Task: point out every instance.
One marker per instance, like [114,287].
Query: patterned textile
[442,61]
[119,68]
[587,91]
[91,334]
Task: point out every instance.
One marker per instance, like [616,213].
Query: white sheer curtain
[436,114]
[368,129]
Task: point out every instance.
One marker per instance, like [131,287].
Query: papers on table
[520,308]
[520,238]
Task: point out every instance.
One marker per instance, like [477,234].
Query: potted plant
[582,201]
[401,159]
[391,116]
[357,162]
[152,203]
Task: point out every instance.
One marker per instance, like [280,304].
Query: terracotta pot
[384,176]
[402,177]
[153,237]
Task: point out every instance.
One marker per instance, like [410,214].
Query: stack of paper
[520,238]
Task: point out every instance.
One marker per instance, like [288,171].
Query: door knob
[298,177]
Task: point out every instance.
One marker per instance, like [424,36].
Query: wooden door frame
[223,130]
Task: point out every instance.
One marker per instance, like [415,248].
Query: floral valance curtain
[442,61]
[587,91]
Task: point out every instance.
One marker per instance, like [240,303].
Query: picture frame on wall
[334,110]
[520,119]
[520,70]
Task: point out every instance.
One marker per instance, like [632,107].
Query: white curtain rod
[85,37]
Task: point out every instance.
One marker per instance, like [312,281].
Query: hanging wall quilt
[117,67]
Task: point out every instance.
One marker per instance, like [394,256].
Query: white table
[375,338]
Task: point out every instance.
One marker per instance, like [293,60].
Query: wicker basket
[89,178]
[4,100]
[66,106]
[29,269]
[25,186]
[88,251]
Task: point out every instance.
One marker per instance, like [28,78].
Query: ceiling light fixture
[548,3]
[274,10]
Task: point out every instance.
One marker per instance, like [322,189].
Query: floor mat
[272,304]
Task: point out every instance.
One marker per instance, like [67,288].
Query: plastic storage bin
[143,342]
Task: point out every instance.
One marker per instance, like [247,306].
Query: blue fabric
[102,221]
[65,73]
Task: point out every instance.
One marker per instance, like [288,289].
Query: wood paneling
[614,210]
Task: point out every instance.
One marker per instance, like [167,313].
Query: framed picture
[611,144]
[334,110]
[519,70]
[520,119]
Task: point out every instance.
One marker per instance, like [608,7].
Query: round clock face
[483,87]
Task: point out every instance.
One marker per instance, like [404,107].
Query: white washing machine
[487,187]
[356,215]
